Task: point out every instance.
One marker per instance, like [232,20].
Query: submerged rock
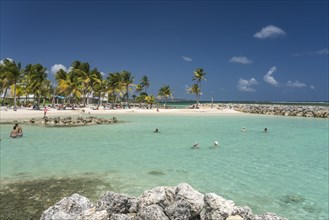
[161,203]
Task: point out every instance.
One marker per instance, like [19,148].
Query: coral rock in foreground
[181,202]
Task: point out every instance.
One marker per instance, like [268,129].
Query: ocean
[284,170]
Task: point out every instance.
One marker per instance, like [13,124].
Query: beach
[28,113]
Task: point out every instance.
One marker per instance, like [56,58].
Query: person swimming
[265,129]
[156,130]
[243,129]
[195,145]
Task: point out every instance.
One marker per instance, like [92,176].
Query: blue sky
[250,50]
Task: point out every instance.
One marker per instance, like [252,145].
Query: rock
[152,212]
[117,203]
[68,208]
[92,214]
[216,206]
[160,203]
[162,196]
[179,210]
[244,212]
[309,114]
[286,110]
[192,197]
[68,121]
[234,217]
[120,217]
[57,120]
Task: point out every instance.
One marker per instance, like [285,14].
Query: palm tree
[114,85]
[4,85]
[138,88]
[12,74]
[46,90]
[68,85]
[36,76]
[100,89]
[165,92]
[150,100]
[127,80]
[195,90]
[61,74]
[199,76]
[86,77]
[145,83]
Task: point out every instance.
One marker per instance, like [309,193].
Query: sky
[250,50]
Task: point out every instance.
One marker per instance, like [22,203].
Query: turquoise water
[283,171]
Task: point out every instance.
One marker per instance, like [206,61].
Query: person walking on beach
[45,111]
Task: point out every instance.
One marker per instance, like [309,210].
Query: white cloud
[245,85]
[323,52]
[11,60]
[103,74]
[56,67]
[269,78]
[240,59]
[310,53]
[296,84]
[188,59]
[312,87]
[269,31]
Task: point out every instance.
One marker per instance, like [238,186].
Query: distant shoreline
[317,111]
[28,113]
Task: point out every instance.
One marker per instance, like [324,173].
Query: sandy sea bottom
[284,170]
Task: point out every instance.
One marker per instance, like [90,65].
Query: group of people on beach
[16,132]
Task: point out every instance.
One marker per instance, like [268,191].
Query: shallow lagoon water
[284,170]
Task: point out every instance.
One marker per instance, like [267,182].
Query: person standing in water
[19,130]
[13,133]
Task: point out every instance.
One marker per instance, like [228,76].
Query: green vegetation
[77,84]
[198,75]
[165,92]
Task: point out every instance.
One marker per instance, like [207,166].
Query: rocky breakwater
[70,121]
[284,110]
[180,202]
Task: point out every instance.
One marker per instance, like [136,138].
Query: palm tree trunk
[4,96]
[39,99]
[127,95]
[99,98]
[15,107]
[85,99]
[26,96]
[197,100]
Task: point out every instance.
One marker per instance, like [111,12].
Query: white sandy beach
[28,113]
